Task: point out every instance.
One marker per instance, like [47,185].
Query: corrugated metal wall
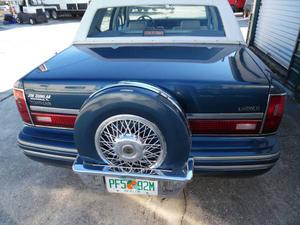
[294,72]
[277,29]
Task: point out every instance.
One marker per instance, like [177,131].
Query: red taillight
[203,126]
[272,121]
[43,119]
[274,113]
[22,105]
[53,120]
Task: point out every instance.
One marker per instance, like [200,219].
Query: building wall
[274,31]
[294,70]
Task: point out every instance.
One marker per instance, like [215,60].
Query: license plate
[131,186]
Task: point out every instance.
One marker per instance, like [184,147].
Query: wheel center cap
[128,148]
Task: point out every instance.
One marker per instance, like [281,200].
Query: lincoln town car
[149,93]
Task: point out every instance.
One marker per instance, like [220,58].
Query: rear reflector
[200,126]
[22,105]
[53,120]
[274,113]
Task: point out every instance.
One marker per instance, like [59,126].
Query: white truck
[29,11]
[56,8]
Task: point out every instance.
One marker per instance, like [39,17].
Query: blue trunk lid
[203,79]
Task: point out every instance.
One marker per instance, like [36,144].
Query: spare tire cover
[140,102]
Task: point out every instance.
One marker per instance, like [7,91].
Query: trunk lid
[203,79]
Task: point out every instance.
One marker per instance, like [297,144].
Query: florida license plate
[131,186]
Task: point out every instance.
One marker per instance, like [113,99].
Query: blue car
[150,93]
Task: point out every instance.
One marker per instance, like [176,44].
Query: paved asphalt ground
[32,193]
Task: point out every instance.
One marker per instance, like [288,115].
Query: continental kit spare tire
[133,126]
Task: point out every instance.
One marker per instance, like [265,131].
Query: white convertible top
[232,30]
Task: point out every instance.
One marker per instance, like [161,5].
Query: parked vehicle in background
[150,93]
[4,9]
[56,8]
[237,5]
[29,11]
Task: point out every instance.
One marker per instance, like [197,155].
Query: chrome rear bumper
[211,155]
[169,182]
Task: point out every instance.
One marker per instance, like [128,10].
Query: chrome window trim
[41,154]
[42,146]
[254,157]
[54,110]
[237,167]
[224,115]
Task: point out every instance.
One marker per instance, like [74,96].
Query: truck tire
[54,14]
[132,127]
[47,14]
[73,14]
[32,21]
[18,20]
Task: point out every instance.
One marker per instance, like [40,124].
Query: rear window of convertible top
[157,20]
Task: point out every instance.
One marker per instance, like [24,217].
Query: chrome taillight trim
[28,110]
[266,111]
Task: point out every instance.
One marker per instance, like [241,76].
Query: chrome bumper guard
[169,182]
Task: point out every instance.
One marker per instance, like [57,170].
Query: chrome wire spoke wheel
[130,142]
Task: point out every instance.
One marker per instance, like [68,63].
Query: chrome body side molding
[54,110]
[48,147]
[48,155]
[188,115]
[235,167]
[224,115]
[227,158]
